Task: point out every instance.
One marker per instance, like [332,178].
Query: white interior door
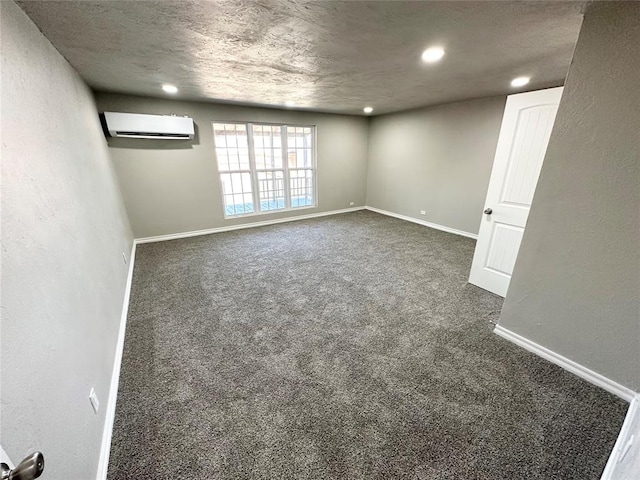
[524,136]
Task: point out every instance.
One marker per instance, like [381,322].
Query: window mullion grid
[254,171]
[285,166]
[271,195]
[233,192]
[314,165]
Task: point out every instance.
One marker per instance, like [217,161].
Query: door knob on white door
[488,211]
[28,469]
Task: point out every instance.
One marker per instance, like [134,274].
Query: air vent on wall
[138,125]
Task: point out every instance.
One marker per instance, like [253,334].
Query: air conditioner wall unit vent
[139,125]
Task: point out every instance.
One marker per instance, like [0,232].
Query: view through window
[265,167]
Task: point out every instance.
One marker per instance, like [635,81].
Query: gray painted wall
[64,229]
[173,186]
[436,159]
[576,284]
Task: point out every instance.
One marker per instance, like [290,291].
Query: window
[265,167]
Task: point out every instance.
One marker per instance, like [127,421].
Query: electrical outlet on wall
[93,398]
[423,212]
[352,203]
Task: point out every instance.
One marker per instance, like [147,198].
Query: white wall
[173,186]
[576,284]
[64,229]
[436,159]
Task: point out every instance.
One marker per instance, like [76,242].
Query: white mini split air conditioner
[138,125]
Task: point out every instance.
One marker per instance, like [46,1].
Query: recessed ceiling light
[367,109]
[433,54]
[289,103]
[170,88]
[520,81]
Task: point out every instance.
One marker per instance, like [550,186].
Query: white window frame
[255,192]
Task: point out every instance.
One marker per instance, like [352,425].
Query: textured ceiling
[323,55]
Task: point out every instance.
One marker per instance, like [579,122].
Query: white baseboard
[175,236]
[575,368]
[615,388]
[103,463]
[609,472]
[425,223]
[208,231]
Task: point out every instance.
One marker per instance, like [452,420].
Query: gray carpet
[346,347]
